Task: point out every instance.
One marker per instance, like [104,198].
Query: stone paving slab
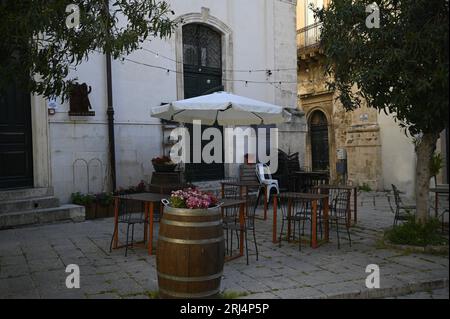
[33,262]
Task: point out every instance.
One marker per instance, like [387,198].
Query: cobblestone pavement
[33,262]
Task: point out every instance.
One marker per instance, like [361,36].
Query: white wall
[263,37]
[398,156]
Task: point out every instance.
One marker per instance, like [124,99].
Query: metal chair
[129,216]
[339,213]
[233,224]
[299,214]
[401,211]
[230,216]
[444,224]
[265,179]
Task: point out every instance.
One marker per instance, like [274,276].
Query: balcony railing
[309,36]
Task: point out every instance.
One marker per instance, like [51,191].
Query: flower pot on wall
[190,255]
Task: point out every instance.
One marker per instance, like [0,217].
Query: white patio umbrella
[224,109]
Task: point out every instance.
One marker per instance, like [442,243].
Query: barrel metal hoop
[190,279]
[190,295]
[189,213]
[189,224]
[191,241]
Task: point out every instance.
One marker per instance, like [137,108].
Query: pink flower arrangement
[193,199]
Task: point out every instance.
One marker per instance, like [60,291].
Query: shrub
[104,199]
[82,199]
[416,233]
[365,188]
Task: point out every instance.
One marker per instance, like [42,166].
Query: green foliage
[83,199]
[400,68]
[177,202]
[416,233]
[103,199]
[36,40]
[436,164]
[365,188]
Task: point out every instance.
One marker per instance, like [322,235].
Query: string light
[268,71]
[246,82]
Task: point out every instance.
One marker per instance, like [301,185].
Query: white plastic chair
[265,178]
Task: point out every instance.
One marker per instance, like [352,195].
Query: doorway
[16,146]
[202,62]
[319,142]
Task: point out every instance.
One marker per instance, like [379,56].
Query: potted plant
[86,200]
[163,164]
[104,205]
[190,237]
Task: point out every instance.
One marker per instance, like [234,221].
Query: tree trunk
[424,150]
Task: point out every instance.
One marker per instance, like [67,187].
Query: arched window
[319,141]
[202,59]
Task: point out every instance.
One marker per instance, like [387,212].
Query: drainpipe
[110,113]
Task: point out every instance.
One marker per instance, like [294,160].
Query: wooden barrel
[190,253]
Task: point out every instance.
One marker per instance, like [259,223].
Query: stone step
[19,194]
[28,204]
[42,216]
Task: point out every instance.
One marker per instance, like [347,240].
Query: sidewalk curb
[393,291]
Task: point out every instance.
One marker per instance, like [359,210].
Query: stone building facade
[378,152]
[256,58]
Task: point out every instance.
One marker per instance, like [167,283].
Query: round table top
[306,196]
[143,197]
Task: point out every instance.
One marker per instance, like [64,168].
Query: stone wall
[358,131]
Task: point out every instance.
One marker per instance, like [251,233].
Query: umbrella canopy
[224,109]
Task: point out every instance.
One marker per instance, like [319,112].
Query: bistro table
[439,190]
[314,199]
[328,188]
[234,203]
[244,187]
[149,200]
